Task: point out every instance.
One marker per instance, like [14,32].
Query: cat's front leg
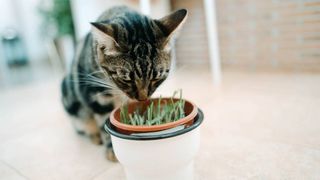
[88,128]
[106,139]
[110,155]
[93,131]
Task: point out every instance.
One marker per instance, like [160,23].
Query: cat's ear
[172,23]
[104,35]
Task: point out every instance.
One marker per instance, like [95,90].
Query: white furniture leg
[212,31]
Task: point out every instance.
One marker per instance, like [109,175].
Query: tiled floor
[37,71]
[257,126]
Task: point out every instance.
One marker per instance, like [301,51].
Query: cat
[125,53]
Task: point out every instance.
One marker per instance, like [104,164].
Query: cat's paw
[96,139]
[110,155]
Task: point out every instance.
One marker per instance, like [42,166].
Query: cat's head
[134,50]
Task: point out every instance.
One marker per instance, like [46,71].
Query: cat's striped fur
[125,52]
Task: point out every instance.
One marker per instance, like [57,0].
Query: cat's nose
[143,95]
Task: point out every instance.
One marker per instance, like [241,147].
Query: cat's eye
[160,74]
[125,77]
[123,74]
[155,80]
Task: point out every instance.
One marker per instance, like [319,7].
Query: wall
[192,42]
[270,34]
[23,15]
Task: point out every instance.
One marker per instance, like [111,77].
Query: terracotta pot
[190,111]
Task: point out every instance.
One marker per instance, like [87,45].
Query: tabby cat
[125,53]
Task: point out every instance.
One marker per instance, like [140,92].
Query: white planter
[158,157]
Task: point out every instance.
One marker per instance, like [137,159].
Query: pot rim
[153,128]
[110,128]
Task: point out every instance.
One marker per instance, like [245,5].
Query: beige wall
[160,8]
[269,34]
[192,42]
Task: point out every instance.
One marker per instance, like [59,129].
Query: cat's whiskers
[94,83]
[102,82]
[90,79]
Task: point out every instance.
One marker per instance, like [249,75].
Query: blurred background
[38,36]
[252,66]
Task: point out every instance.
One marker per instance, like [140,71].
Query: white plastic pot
[166,156]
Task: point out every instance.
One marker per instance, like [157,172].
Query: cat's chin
[144,99]
[136,100]
[133,99]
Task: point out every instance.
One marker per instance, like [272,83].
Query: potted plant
[58,30]
[154,115]
[156,139]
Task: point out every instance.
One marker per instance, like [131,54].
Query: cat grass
[156,113]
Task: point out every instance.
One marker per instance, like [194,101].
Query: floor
[258,125]
[22,75]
